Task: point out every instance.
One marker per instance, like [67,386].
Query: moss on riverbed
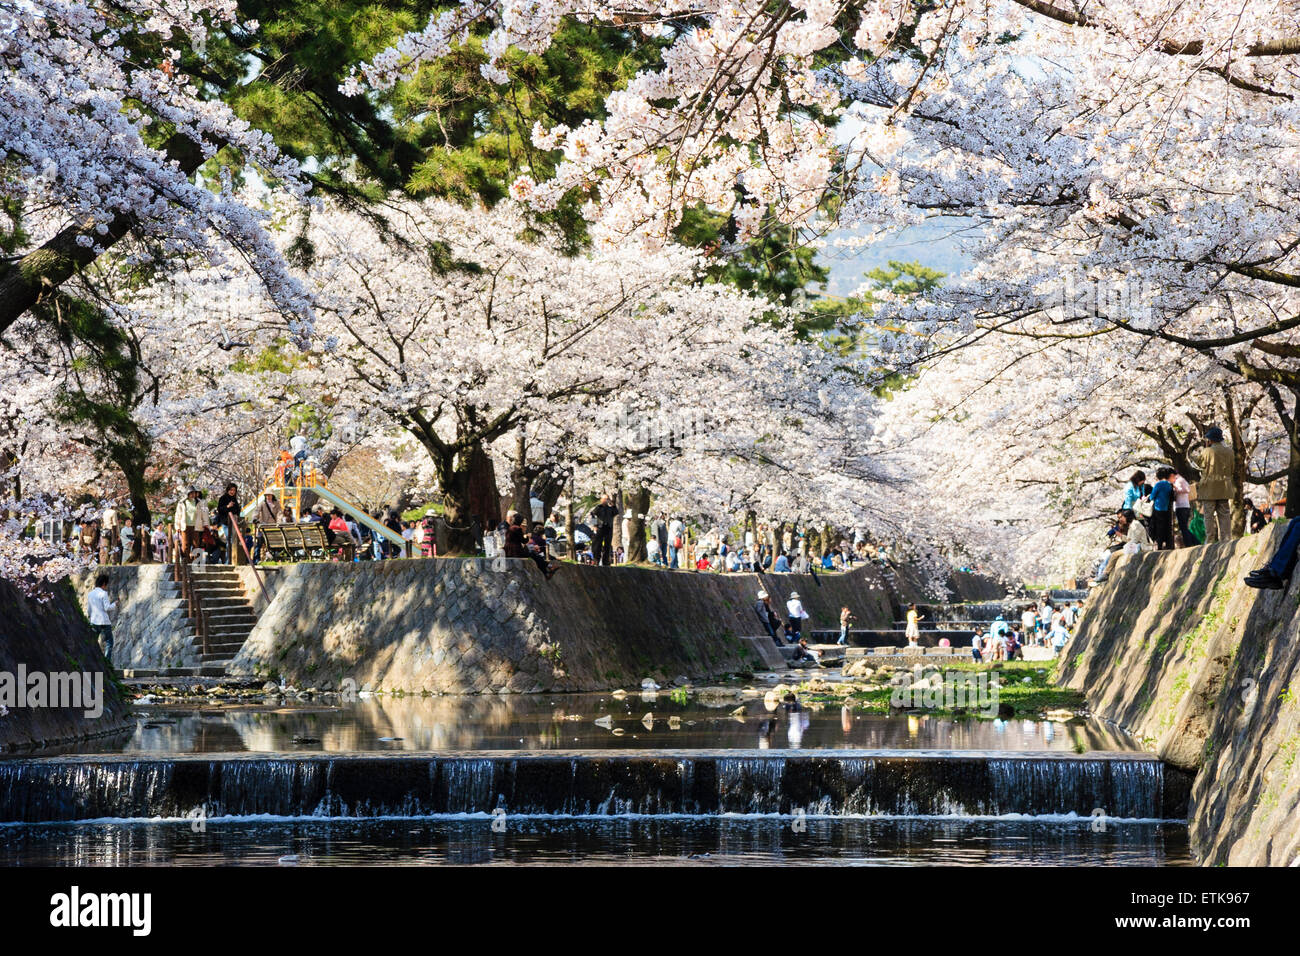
[1028,687]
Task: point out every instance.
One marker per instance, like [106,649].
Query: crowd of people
[196,533]
[1040,625]
[207,528]
[1159,515]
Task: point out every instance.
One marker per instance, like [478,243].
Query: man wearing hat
[1216,487]
[763,608]
[797,616]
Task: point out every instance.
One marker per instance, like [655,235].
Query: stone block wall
[1176,649]
[52,636]
[150,628]
[478,626]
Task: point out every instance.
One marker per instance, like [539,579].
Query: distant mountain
[939,244]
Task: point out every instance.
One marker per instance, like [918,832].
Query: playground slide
[361,517]
[342,504]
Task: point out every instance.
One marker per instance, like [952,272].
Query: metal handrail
[243,546]
[194,605]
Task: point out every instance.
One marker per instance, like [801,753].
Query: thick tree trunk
[569,523]
[484,501]
[132,464]
[1293,483]
[616,538]
[639,501]
[456,530]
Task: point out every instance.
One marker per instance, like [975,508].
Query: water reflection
[621,840]
[568,722]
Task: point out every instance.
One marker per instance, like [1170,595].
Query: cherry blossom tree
[102,136]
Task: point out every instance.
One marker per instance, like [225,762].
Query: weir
[595,783]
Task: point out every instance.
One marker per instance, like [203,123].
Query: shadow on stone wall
[475,626]
[1176,649]
[52,637]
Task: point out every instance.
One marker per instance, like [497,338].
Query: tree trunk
[1238,465]
[520,497]
[616,538]
[636,547]
[484,501]
[456,530]
[549,487]
[569,522]
[1293,459]
[132,463]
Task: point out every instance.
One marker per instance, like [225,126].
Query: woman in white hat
[797,616]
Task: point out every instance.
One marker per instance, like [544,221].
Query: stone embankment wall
[1175,648]
[52,637]
[475,626]
[149,627]
[910,585]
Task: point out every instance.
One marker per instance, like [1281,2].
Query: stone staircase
[227,612]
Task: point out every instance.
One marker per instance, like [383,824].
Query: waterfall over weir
[884,783]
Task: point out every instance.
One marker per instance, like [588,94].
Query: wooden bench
[302,541]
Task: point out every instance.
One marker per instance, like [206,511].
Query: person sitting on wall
[537,550]
[1275,575]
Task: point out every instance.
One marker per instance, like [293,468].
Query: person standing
[1216,487]
[846,618]
[99,609]
[976,653]
[659,531]
[108,541]
[1182,506]
[227,508]
[1059,636]
[269,510]
[300,449]
[797,616]
[603,515]
[1162,510]
[763,608]
[913,632]
[126,539]
[676,540]
[1029,620]
[191,520]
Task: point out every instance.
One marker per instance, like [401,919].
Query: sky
[932,244]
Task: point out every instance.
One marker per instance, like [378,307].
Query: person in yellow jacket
[1216,487]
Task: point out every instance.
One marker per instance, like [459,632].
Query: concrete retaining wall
[52,637]
[149,629]
[1176,649]
[472,626]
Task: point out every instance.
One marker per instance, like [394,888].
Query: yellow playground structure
[291,478]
